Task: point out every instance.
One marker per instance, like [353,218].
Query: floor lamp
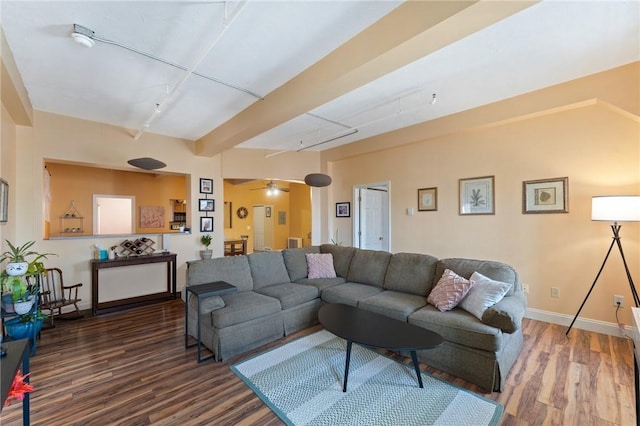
[614,208]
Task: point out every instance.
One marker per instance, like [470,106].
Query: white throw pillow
[483,294]
[320,265]
[449,291]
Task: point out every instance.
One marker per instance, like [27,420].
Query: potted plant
[13,282]
[205,239]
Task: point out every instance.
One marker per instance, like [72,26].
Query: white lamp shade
[616,208]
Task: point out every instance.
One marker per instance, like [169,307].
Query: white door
[258,228]
[372,217]
[262,228]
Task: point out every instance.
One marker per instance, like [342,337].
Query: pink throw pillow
[449,291]
[320,265]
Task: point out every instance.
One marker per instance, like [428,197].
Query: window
[113,214]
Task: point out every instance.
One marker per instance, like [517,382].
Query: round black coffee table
[374,330]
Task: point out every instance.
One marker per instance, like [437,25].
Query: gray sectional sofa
[275,298]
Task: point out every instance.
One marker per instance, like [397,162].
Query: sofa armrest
[207,305]
[507,314]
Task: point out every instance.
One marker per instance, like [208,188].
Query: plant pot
[24,306]
[206,254]
[17,329]
[15,269]
[7,303]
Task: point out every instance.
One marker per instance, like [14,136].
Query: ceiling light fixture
[83,39]
[317,179]
[147,163]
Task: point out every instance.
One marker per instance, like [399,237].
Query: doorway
[371,217]
[262,228]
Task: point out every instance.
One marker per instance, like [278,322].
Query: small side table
[201,291]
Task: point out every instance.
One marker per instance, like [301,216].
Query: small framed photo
[343,209]
[4,200]
[206,186]
[545,196]
[477,195]
[267,211]
[206,224]
[427,199]
[206,205]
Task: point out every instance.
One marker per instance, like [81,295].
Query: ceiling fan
[272,188]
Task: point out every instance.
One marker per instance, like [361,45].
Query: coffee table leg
[346,366]
[415,365]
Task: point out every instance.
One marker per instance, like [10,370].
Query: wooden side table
[202,291]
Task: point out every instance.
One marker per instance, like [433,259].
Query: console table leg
[346,366]
[416,366]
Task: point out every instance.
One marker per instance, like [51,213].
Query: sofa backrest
[267,268]
[411,273]
[341,257]
[369,267]
[232,269]
[466,267]
[295,261]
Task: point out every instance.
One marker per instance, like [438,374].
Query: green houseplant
[205,239]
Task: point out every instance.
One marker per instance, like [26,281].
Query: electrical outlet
[555,292]
[618,299]
[525,288]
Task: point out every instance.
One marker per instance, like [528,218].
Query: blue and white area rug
[302,383]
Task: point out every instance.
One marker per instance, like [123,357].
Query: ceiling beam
[411,31]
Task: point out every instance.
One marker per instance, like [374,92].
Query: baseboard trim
[584,324]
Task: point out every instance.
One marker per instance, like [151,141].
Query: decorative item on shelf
[71,220]
[206,241]
[140,247]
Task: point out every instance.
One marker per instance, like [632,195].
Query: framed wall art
[206,224]
[206,205]
[206,186]
[427,199]
[343,209]
[4,200]
[545,196]
[477,195]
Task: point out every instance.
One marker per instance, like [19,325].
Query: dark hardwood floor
[131,368]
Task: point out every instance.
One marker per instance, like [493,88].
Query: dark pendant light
[147,163]
[317,179]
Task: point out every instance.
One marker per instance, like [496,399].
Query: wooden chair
[55,295]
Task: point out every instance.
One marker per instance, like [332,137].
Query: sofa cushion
[484,293]
[458,326]
[369,267]
[393,304]
[296,262]
[267,268]
[320,265]
[322,283]
[290,294]
[495,270]
[341,257]
[348,293]
[242,307]
[449,291]
[232,269]
[410,273]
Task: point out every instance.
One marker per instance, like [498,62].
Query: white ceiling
[267,43]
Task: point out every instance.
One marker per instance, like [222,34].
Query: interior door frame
[386,215]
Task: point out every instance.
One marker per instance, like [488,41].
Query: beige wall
[596,145]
